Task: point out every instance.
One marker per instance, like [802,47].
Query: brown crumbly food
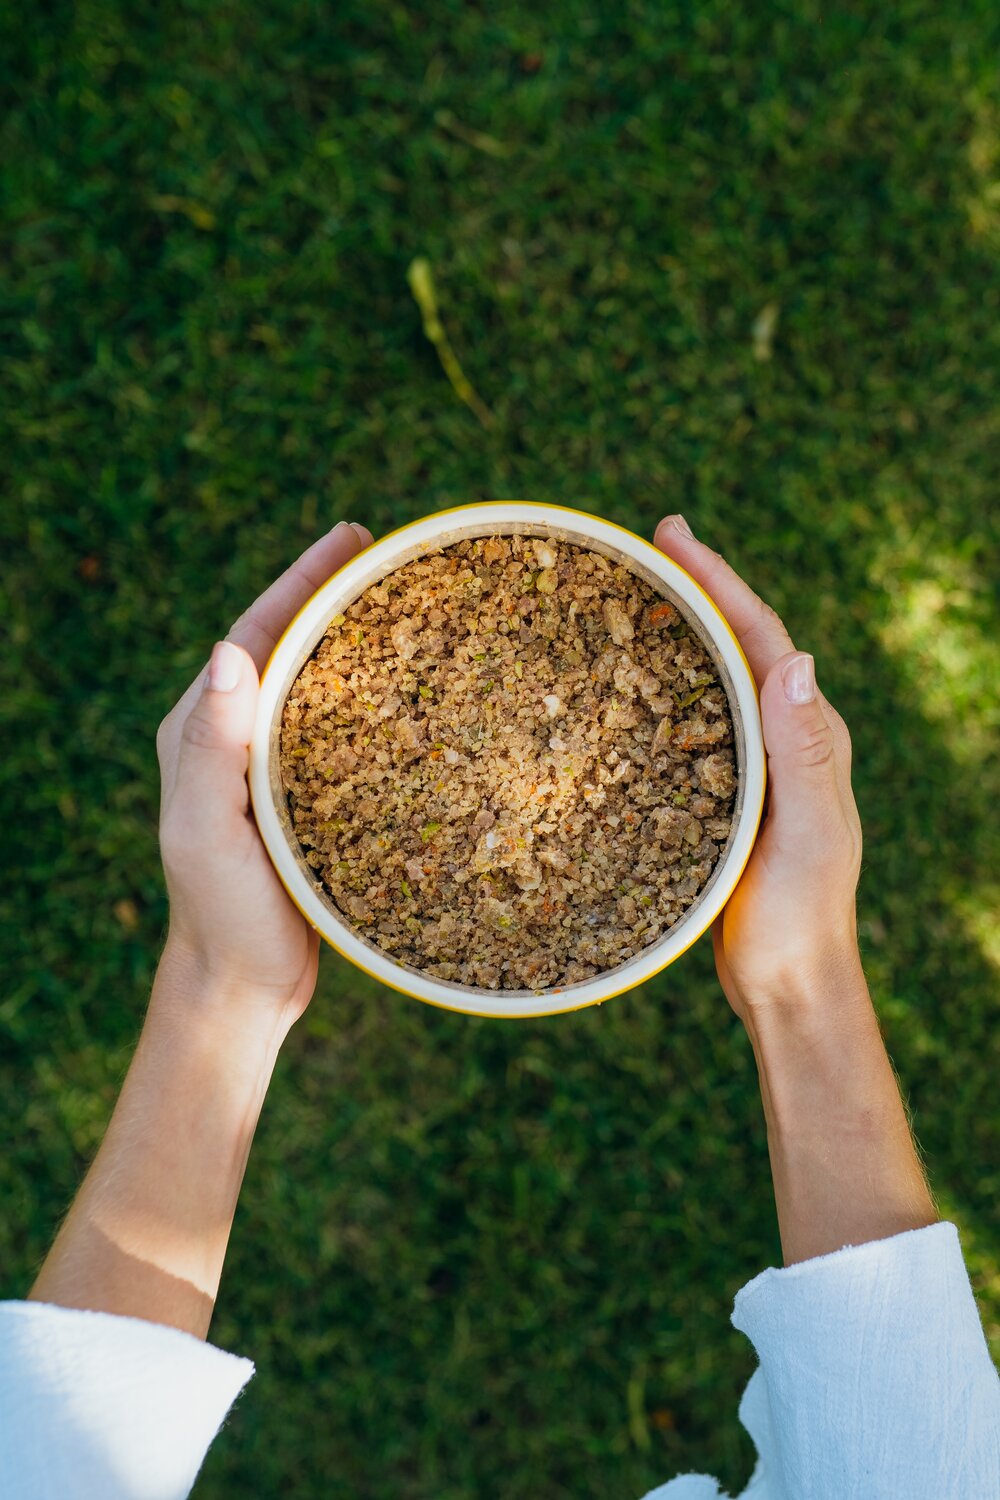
[510,763]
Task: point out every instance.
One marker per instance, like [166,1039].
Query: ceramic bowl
[368,567]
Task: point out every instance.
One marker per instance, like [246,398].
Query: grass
[742,262]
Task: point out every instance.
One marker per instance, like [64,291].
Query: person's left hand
[230,918]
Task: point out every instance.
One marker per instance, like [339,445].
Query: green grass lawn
[476,1259]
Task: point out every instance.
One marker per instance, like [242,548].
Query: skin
[843,1162]
[148,1231]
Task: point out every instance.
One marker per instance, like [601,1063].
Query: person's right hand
[789,927]
[233,928]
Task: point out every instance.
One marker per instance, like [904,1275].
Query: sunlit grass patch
[937,622]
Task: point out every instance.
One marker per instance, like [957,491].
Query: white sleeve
[99,1407]
[874,1382]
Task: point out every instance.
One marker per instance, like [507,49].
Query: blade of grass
[488,143]
[422,286]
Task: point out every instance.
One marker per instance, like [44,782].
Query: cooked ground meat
[510,763]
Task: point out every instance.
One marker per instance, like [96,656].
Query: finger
[843,755]
[209,792]
[804,779]
[257,630]
[759,630]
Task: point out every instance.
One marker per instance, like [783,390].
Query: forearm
[843,1160]
[148,1231]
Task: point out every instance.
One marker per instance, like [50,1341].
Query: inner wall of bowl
[339,602]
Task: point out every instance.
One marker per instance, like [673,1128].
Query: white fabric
[94,1407]
[874,1383]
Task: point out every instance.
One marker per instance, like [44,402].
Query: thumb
[210,784]
[800,752]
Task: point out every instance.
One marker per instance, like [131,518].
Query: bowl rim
[296,644]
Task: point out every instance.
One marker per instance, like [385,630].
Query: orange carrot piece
[662,614]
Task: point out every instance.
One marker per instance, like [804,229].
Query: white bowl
[503,517]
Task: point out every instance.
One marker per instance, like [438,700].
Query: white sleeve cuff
[101,1407]
[875,1380]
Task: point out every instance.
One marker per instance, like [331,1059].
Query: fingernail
[679,524]
[224,667]
[798,678]
[362,533]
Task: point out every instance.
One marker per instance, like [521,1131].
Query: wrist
[216,1003]
[822,975]
[816,1063]
[808,1031]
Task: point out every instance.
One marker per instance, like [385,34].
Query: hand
[232,926]
[789,927]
